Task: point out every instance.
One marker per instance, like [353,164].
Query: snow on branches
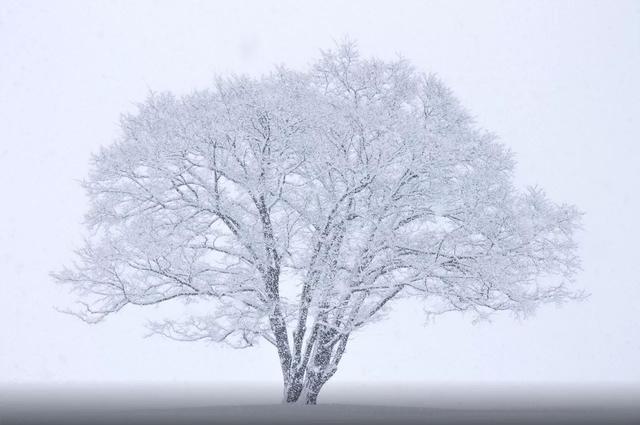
[302,204]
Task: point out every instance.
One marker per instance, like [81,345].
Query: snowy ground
[343,404]
[330,414]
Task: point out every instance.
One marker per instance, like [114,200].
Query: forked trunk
[302,392]
[303,386]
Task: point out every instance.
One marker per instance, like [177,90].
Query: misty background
[557,81]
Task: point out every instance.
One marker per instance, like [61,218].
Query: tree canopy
[302,204]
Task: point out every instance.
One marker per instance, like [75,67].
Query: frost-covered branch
[302,205]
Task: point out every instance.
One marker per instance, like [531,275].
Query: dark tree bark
[320,362]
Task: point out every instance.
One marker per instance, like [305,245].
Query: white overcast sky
[557,81]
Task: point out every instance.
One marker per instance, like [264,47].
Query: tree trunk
[302,392]
[303,386]
[311,397]
[292,391]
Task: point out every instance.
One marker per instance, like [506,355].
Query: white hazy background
[557,81]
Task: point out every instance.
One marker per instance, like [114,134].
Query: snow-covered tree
[300,205]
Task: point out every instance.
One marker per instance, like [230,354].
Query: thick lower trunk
[303,387]
[292,392]
[311,397]
[302,393]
